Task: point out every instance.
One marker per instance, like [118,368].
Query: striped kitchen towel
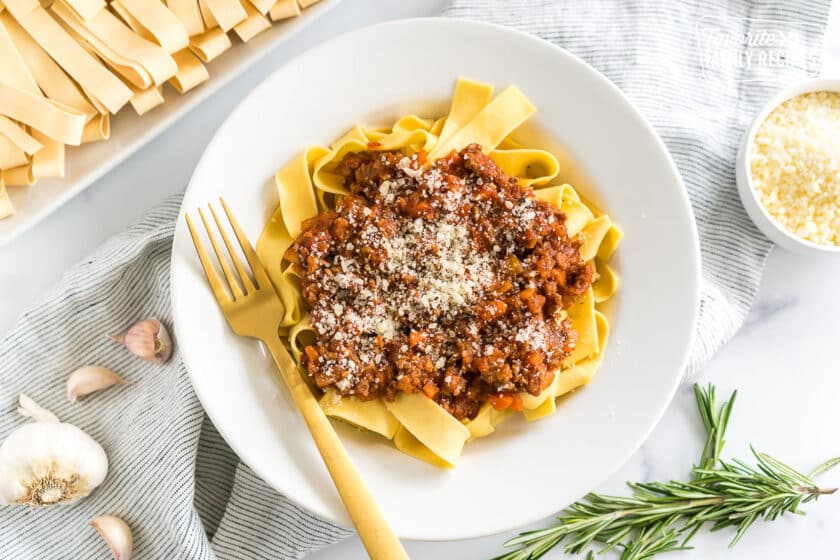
[172,477]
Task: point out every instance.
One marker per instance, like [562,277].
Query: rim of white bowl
[812,85]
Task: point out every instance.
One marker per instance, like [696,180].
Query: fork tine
[243,274]
[212,276]
[256,266]
[232,283]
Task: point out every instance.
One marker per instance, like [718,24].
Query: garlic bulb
[88,379]
[48,462]
[147,339]
[116,534]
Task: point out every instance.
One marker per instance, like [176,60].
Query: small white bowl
[766,223]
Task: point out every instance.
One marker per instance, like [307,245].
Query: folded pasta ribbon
[48,75]
[56,120]
[43,156]
[85,9]
[189,14]
[371,415]
[191,72]
[262,6]
[224,14]
[138,60]
[144,100]
[154,22]
[284,9]
[49,160]
[11,155]
[19,136]
[210,44]
[493,122]
[66,51]
[431,425]
[252,25]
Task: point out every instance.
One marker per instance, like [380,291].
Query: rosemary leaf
[661,517]
[827,466]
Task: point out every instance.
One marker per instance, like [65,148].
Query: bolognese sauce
[452,280]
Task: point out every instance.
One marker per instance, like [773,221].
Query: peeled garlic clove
[147,339]
[88,379]
[116,534]
[28,407]
[48,462]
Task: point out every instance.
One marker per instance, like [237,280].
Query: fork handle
[379,539]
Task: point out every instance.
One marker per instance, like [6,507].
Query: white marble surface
[783,361]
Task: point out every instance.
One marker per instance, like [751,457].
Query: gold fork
[254,310]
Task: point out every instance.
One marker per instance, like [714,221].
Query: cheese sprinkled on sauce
[451,280]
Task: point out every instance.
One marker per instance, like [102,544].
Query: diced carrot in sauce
[516,405]
[534,359]
[482,364]
[340,228]
[501,402]
[419,209]
[415,337]
[493,310]
[430,390]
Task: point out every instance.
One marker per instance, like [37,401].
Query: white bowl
[523,472]
[743,176]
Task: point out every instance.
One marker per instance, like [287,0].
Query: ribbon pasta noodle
[309,185]
[67,65]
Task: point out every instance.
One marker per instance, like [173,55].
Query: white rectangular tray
[129,132]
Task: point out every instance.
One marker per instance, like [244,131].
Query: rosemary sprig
[664,516]
[715,421]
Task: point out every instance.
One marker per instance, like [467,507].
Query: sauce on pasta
[439,274]
[453,281]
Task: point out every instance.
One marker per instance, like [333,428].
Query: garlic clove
[28,407]
[48,462]
[147,339]
[88,379]
[117,535]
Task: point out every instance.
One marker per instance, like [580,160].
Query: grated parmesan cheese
[795,166]
[411,277]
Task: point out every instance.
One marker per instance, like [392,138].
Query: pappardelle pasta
[67,65]
[434,280]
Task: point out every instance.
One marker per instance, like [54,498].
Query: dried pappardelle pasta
[67,65]
[309,185]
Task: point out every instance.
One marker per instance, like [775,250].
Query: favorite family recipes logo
[757,49]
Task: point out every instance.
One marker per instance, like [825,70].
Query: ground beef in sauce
[450,280]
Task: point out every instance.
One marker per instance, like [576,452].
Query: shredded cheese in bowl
[795,166]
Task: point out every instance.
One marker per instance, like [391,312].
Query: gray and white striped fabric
[173,478]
